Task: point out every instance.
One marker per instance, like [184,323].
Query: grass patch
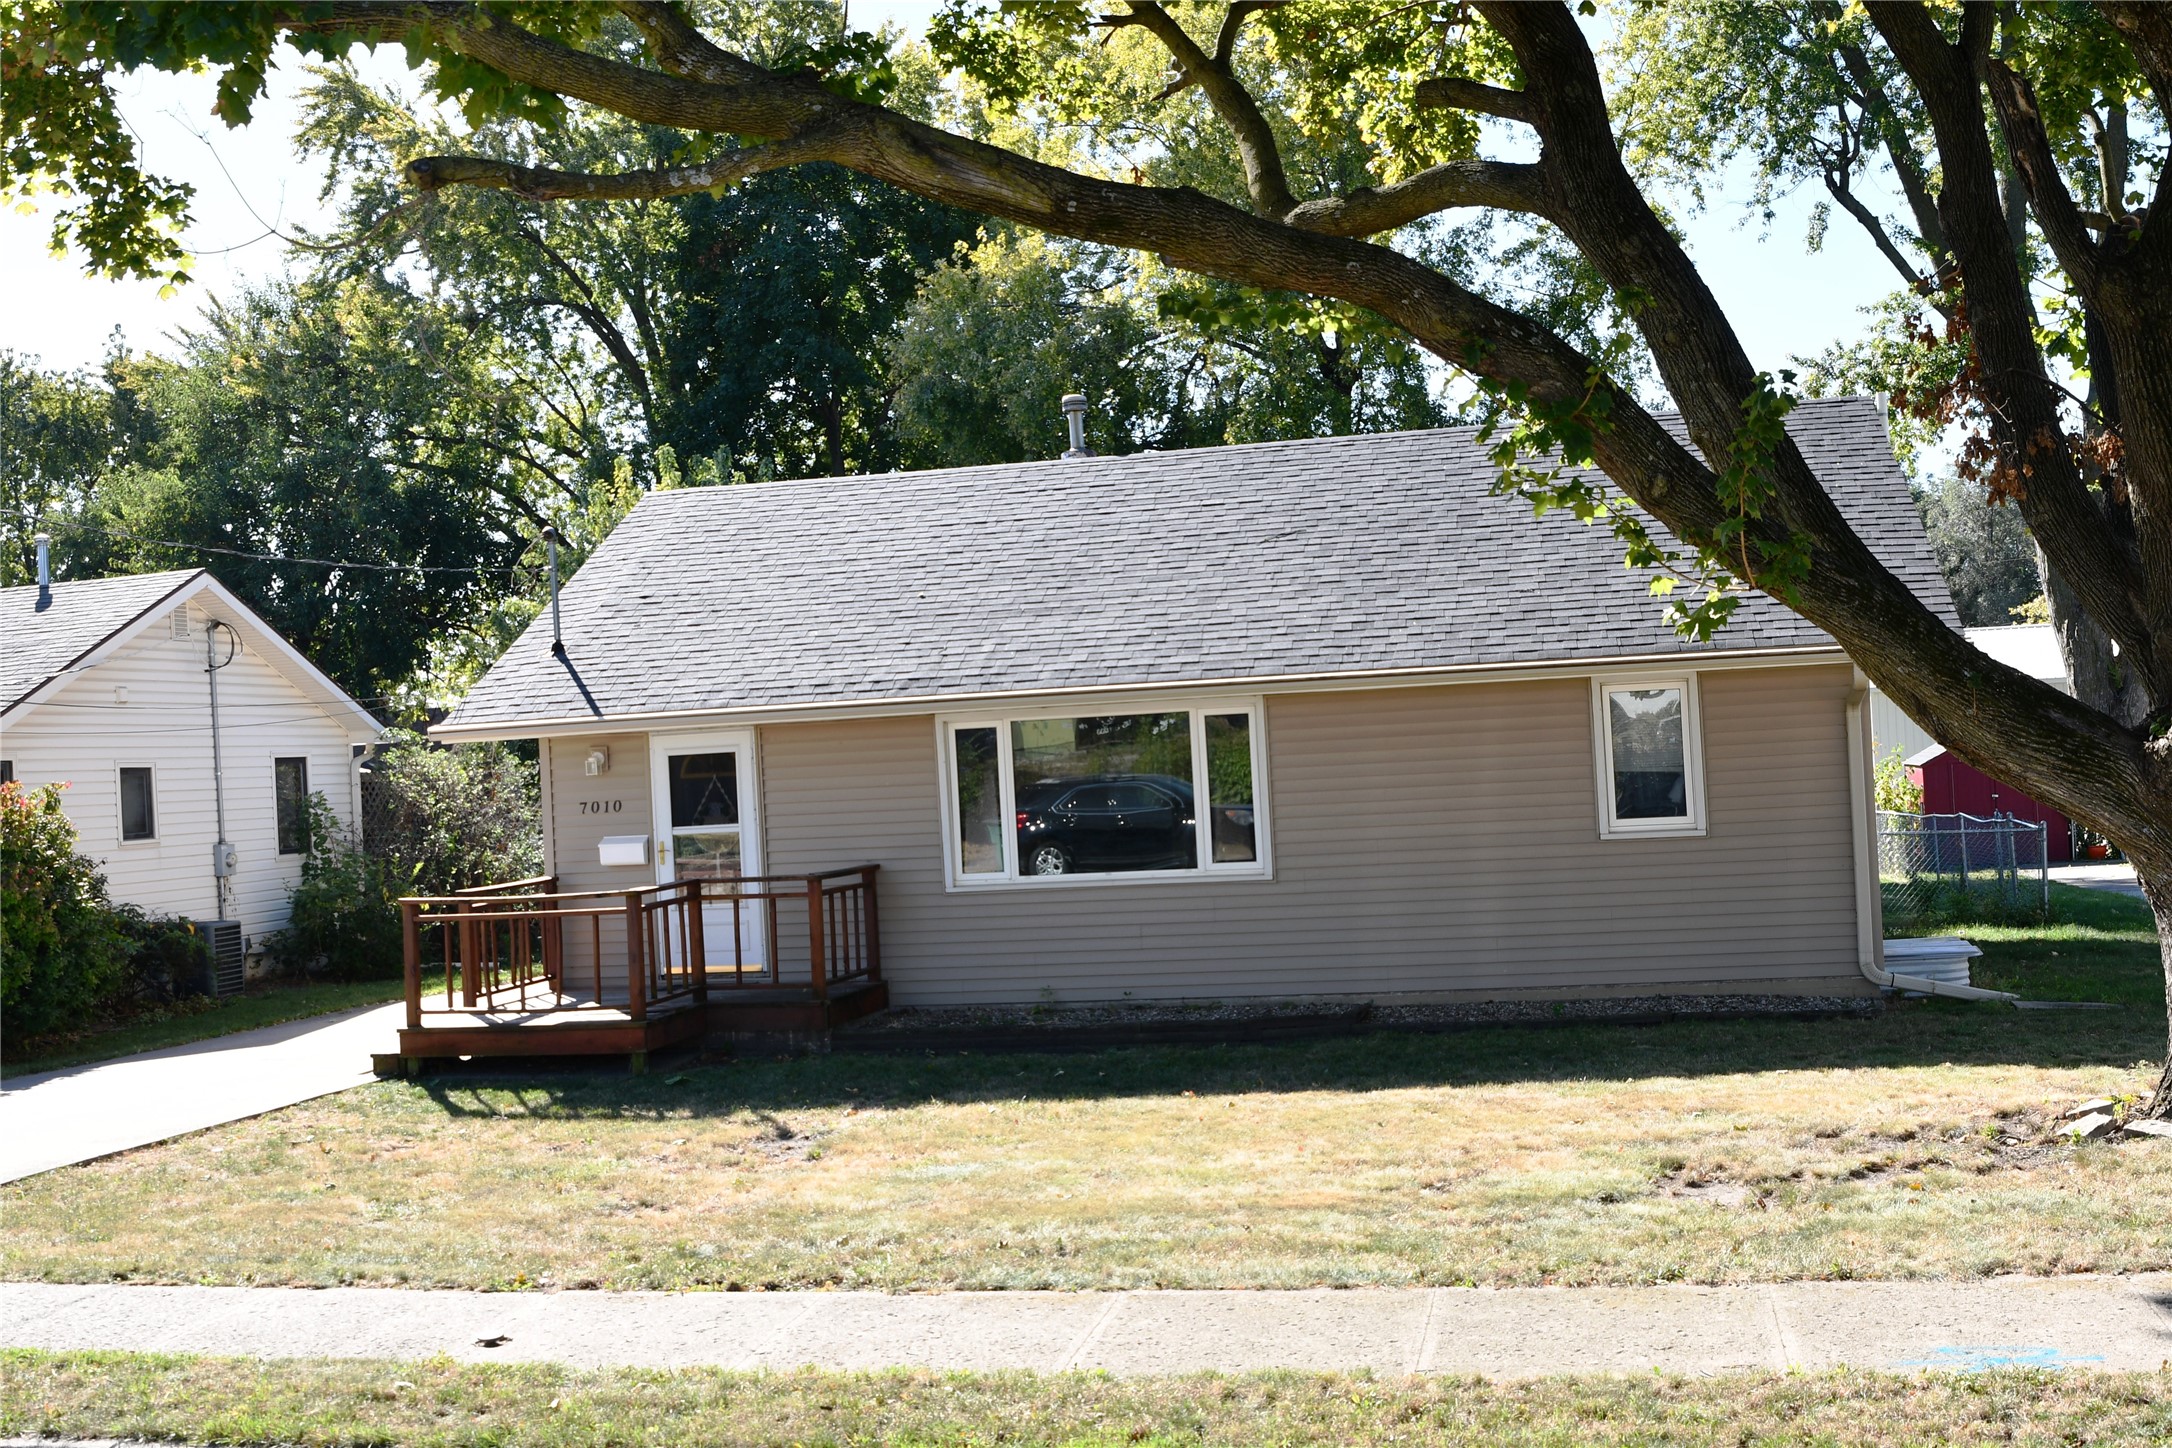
[201,1019]
[439,1402]
[1913,1145]
[2098,945]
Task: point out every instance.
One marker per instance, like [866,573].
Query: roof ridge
[1011,469]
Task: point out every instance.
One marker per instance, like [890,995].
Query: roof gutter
[1869,900]
[1321,682]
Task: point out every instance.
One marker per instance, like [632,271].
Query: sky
[251,188]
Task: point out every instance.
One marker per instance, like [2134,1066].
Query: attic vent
[181,629]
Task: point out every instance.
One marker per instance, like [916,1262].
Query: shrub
[445,819]
[168,959]
[62,950]
[1897,790]
[343,923]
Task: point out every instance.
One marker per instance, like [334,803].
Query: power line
[78,527]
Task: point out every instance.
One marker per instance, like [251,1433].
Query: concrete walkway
[2097,875]
[2081,1322]
[58,1118]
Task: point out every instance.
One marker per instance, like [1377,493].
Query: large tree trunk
[2092,667]
[2157,886]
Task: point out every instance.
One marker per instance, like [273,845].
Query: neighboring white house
[2033,648]
[105,686]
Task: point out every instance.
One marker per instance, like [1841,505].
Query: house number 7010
[602,806]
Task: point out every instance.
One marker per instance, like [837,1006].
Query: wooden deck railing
[504,947]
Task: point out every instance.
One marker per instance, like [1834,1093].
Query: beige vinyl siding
[617,804]
[81,736]
[1425,840]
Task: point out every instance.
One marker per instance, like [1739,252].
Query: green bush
[167,958]
[343,925]
[444,819]
[63,953]
[1897,790]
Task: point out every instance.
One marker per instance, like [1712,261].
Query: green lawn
[202,1018]
[424,1404]
[1913,1145]
[2097,946]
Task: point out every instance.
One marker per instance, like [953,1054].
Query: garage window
[1165,793]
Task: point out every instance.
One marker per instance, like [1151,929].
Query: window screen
[980,802]
[139,818]
[290,794]
[1651,773]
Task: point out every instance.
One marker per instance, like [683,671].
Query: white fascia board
[1175,691]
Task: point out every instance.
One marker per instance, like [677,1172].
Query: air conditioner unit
[228,970]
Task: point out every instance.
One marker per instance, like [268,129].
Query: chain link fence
[1938,869]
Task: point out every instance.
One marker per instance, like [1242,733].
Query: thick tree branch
[541,183]
[683,50]
[2061,220]
[1456,93]
[2057,503]
[1501,185]
[1216,78]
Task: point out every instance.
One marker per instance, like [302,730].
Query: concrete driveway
[58,1118]
[2097,875]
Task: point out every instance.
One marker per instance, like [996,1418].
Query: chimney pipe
[45,567]
[558,638]
[1074,414]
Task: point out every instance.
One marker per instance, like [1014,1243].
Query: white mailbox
[623,850]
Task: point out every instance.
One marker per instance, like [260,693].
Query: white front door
[705,802]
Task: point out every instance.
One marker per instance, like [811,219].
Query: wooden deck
[638,977]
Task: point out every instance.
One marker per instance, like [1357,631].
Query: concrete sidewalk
[2084,1322]
[58,1118]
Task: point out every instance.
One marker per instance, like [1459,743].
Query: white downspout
[1869,901]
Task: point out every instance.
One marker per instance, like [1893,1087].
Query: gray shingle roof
[36,644]
[1330,555]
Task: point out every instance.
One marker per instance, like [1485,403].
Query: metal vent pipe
[1074,414]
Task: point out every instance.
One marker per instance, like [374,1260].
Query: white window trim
[120,838]
[947,725]
[1602,743]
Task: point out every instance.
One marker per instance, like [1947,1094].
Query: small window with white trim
[139,804]
[1649,757]
[1145,793]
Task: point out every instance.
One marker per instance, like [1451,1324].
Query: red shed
[1952,786]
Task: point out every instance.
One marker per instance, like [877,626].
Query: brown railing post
[818,967]
[637,997]
[697,948]
[411,949]
[874,933]
[471,957]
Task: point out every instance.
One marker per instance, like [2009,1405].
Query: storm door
[706,830]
